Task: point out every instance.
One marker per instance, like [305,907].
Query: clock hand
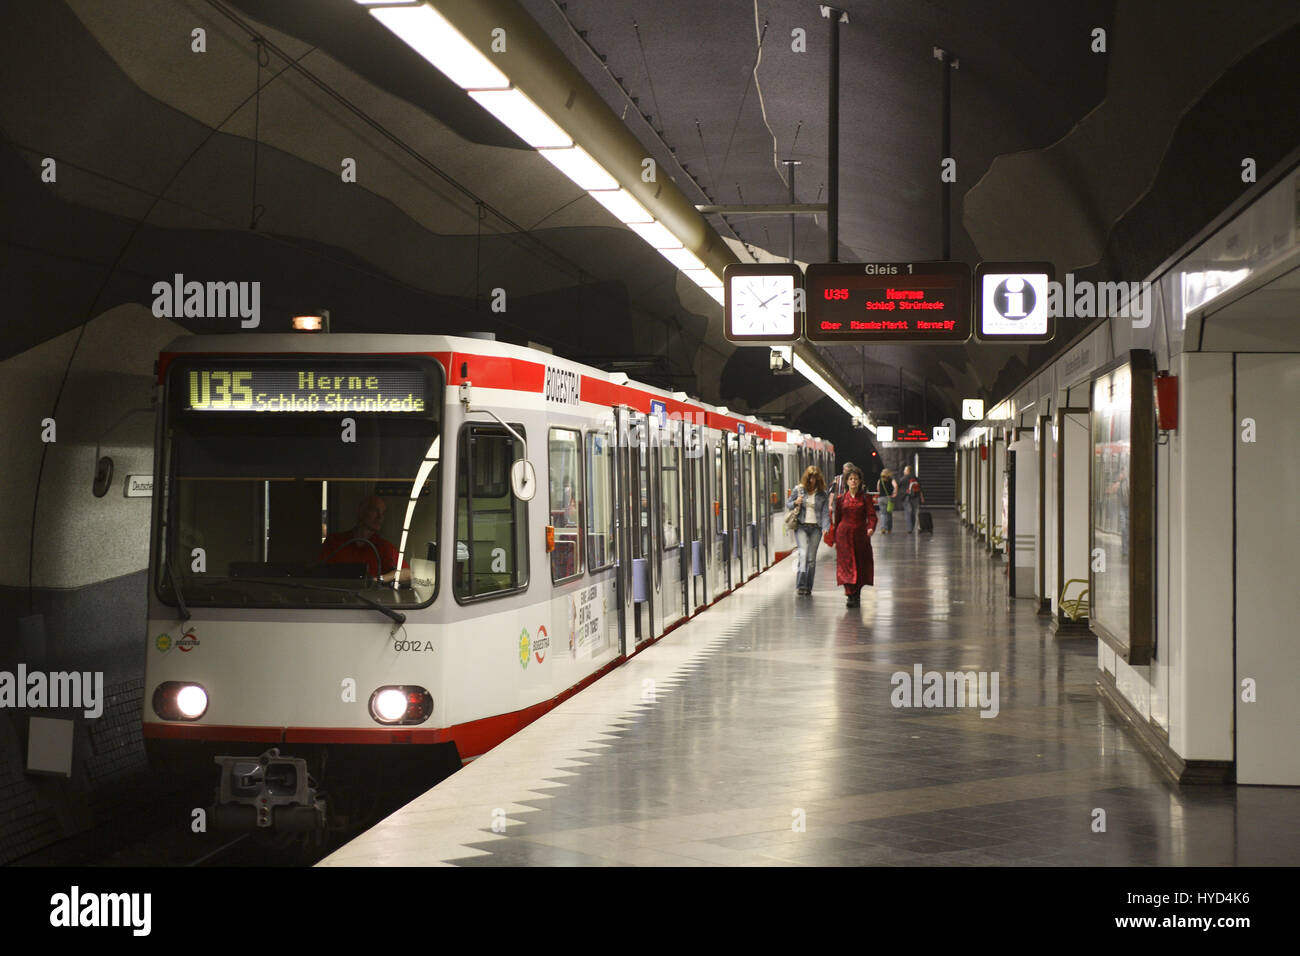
[763,304]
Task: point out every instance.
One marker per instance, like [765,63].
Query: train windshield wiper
[388,612]
[176,589]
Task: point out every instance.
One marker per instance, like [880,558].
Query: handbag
[889,506]
[792,519]
[829,538]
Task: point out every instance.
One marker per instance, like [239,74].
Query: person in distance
[810,502]
[886,488]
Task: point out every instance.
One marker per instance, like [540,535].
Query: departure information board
[888,302]
[304,386]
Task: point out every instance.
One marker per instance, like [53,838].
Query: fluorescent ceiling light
[657,235]
[718,295]
[706,279]
[392,3]
[683,259]
[620,202]
[523,116]
[576,163]
[429,34]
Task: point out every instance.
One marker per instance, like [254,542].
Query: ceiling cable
[581,37]
[762,107]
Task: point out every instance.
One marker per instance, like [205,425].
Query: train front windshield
[308,481]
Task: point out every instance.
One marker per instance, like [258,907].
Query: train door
[645,563]
[735,523]
[765,501]
[751,488]
[697,505]
[622,538]
[674,571]
[721,513]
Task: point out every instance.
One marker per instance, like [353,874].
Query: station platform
[762,733]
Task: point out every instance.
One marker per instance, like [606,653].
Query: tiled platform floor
[768,709]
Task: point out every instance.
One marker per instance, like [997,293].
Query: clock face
[762,305]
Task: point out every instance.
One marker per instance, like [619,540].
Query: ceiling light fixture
[429,34]
[656,234]
[576,163]
[621,204]
[523,117]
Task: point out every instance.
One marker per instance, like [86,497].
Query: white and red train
[637,509]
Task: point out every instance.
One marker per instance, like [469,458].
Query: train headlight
[178,700]
[405,704]
[390,705]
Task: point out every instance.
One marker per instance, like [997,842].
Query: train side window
[565,457]
[776,484]
[670,478]
[600,513]
[491,523]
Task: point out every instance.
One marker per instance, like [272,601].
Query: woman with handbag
[855,522]
[807,516]
[886,488]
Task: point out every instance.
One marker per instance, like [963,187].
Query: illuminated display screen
[912,433]
[303,386]
[888,302]
[1013,302]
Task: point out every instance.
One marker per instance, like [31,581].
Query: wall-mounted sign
[1012,302]
[942,433]
[888,302]
[138,486]
[884,433]
[972,409]
[761,304]
[913,434]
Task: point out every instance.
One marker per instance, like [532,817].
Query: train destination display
[308,387]
[888,302]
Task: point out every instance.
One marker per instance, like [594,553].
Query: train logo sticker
[163,642]
[542,643]
[525,647]
[187,641]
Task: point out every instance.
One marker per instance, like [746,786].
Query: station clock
[764,303]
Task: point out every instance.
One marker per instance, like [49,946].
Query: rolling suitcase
[924,522]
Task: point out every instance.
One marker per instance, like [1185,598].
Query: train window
[670,482]
[491,523]
[775,483]
[267,508]
[600,513]
[566,503]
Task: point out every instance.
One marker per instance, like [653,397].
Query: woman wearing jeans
[809,500]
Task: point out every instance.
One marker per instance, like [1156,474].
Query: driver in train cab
[354,546]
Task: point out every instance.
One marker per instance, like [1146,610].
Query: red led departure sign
[888,302]
[913,433]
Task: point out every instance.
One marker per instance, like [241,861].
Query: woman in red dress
[855,522]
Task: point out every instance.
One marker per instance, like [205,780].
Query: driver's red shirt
[358,553]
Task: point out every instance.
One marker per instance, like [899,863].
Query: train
[380,550]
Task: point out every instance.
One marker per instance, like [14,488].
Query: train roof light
[313,322]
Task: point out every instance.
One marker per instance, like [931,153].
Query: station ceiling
[226,165]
